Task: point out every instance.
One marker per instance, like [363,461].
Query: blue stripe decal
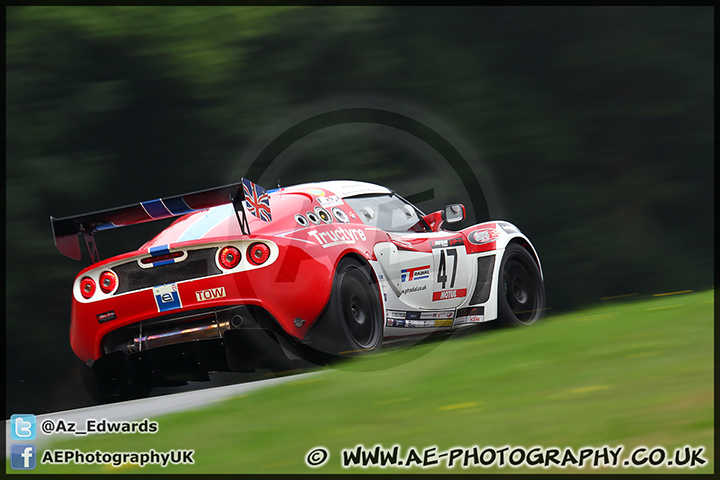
[164,262]
[177,206]
[156,209]
[161,250]
[210,220]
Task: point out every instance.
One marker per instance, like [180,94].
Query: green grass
[631,373]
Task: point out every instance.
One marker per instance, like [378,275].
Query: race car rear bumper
[170,352]
[170,330]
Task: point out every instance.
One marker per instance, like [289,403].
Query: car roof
[342,188]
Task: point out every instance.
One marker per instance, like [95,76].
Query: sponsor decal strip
[448,294]
[470,315]
[448,242]
[210,294]
[397,318]
[167,297]
[338,236]
[106,316]
[330,201]
[470,311]
[416,273]
[447,322]
[414,289]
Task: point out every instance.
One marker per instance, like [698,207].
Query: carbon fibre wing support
[66,230]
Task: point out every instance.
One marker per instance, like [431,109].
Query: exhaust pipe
[178,334]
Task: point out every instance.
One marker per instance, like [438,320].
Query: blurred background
[589,128]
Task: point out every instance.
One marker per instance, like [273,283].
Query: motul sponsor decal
[449,294]
[210,294]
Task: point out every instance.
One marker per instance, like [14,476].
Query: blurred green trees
[595,124]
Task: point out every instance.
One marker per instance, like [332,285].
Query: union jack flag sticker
[257,200]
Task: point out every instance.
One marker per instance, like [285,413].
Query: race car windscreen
[387,212]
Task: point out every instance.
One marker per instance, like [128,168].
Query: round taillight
[87,287]
[258,253]
[229,257]
[108,281]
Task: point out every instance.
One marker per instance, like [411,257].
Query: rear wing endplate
[66,230]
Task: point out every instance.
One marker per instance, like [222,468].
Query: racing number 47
[442,276]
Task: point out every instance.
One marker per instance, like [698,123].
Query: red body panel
[297,284]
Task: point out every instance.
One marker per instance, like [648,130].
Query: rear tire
[352,321]
[521,296]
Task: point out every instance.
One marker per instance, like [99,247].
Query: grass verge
[631,373]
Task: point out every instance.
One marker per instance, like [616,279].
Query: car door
[450,271]
[426,270]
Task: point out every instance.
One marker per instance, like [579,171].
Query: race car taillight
[258,253]
[229,257]
[87,287]
[108,281]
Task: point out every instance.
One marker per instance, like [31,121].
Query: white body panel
[409,279]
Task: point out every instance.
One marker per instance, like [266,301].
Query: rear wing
[66,230]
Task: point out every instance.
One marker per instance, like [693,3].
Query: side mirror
[454,213]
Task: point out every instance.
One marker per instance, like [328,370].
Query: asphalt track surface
[149,408]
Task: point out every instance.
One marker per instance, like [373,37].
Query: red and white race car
[247,279]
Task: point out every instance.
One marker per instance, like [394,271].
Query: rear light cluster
[257,254]
[87,287]
[108,281]
[108,284]
[230,257]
